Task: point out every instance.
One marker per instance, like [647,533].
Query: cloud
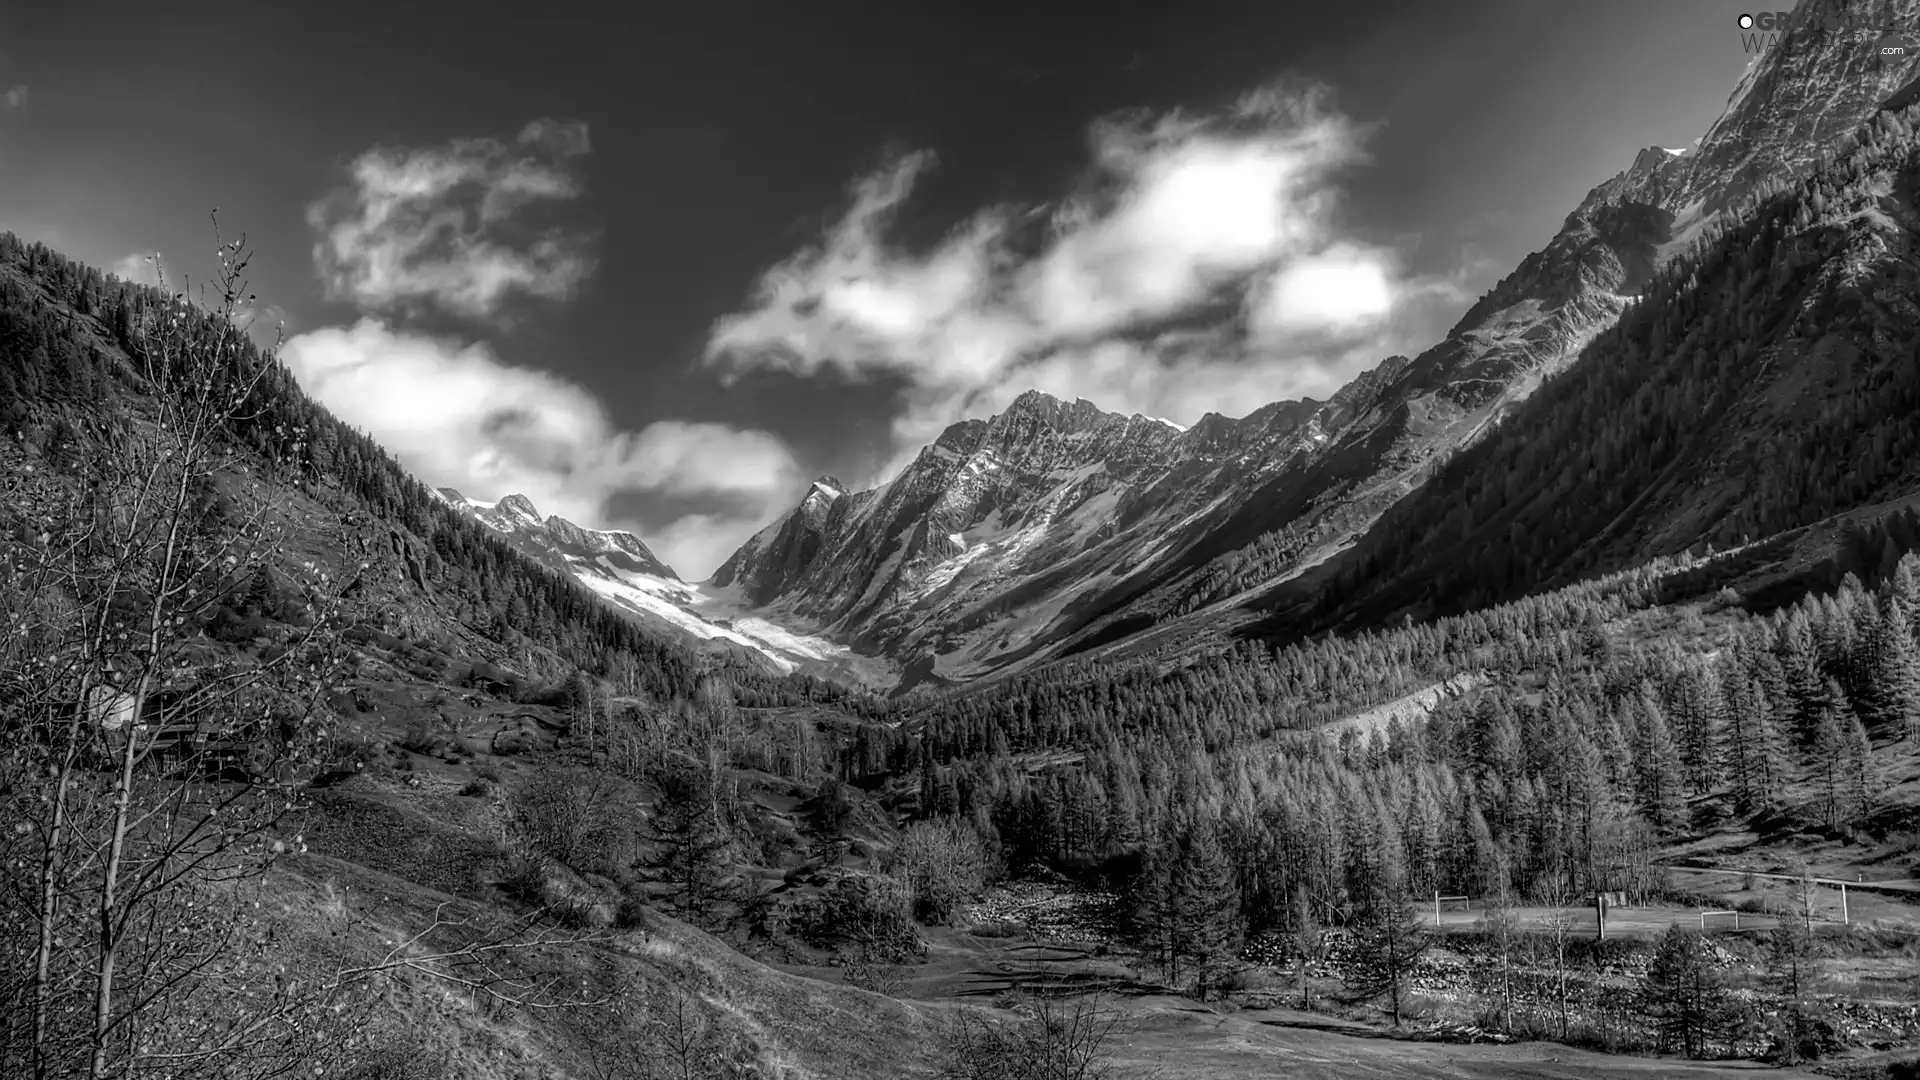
[455,414]
[1200,266]
[464,227]
[140,268]
[1343,288]
[14,99]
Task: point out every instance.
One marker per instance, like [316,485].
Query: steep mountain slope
[618,567]
[1766,383]
[1055,527]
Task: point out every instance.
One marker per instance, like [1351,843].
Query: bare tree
[1061,1041]
[942,863]
[1559,923]
[1309,941]
[643,1036]
[148,773]
[1502,927]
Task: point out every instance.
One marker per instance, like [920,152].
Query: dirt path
[1197,1044]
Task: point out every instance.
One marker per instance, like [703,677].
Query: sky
[658,271]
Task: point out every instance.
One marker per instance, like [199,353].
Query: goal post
[1455,903]
[1719,920]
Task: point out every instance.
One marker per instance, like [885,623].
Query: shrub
[833,808]
[525,878]
[943,863]
[569,815]
[1061,1039]
[419,738]
[632,913]
[553,694]
[865,973]
[868,911]
[573,910]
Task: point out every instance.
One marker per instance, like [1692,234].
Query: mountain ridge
[618,568]
[517,513]
[928,567]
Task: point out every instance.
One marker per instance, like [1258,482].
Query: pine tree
[1904,586]
[1863,773]
[1743,762]
[1697,722]
[1792,972]
[1661,797]
[1207,901]
[1683,994]
[1156,906]
[1806,684]
[691,839]
[1892,700]
[1388,942]
[1832,748]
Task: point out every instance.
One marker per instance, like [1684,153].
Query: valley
[1545,703]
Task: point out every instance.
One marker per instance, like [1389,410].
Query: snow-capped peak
[520,508]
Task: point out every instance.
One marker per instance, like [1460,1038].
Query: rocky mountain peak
[519,506]
[1813,83]
[1035,412]
[558,542]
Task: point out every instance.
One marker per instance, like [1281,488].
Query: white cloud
[457,416]
[1228,220]
[14,99]
[1343,288]
[140,268]
[456,226]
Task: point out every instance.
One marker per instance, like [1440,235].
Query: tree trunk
[50,866]
[109,892]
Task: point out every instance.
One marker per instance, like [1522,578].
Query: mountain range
[618,567]
[1055,527]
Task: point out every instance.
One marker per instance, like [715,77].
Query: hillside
[422,682]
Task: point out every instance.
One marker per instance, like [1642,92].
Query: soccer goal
[1449,903]
[1719,920]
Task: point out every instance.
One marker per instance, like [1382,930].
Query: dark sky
[724,138]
